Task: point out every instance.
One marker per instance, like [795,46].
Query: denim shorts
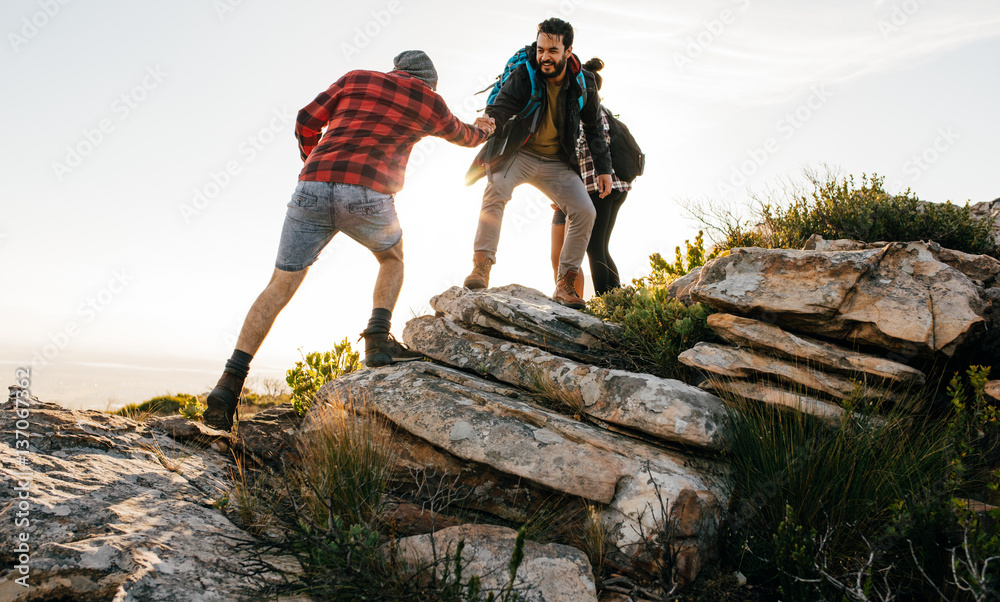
[319,210]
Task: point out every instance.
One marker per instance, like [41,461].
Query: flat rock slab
[734,362]
[755,334]
[667,409]
[899,297]
[525,315]
[548,573]
[524,440]
[830,413]
[117,510]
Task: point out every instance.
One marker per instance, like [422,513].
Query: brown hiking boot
[382,349]
[480,276]
[566,291]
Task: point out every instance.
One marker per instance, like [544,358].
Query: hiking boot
[480,276]
[382,349]
[566,291]
[222,402]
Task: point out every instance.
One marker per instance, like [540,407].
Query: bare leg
[390,277]
[558,233]
[265,309]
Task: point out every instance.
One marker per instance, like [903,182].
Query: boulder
[269,436]
[116,510]
[899,297]
[667,409]
[989,210]
[548,573]
[194,432]
[754,334]
[513,442]
[527,316]
[680,289]
[993,389]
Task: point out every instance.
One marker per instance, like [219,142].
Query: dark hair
[557,27]
[594,65]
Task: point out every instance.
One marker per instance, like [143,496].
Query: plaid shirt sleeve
[372,122]
[314,117]
[587,170]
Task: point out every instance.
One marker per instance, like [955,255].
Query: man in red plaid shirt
[351,174]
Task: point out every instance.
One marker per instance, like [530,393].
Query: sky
[148,149]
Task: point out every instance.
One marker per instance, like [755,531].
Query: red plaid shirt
[372,121]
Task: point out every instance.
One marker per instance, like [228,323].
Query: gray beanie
[417,64]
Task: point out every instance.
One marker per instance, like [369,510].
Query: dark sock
[239,364]
[380,321]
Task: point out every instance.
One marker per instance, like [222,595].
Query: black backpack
[627,158]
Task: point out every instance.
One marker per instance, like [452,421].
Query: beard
[555,73]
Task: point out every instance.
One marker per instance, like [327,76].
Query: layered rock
[897,297]
[796,318]
[757,335]
[666,409]
[117,509]
[517,456]
[525,315]
[548,573]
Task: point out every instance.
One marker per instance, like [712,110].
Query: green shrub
[316,369]
[841,209]
[664,273]
[656,327]
[192,409]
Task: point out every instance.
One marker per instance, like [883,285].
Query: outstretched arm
[314,117]
[453,130]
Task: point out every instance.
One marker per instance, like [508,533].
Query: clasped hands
[486,124]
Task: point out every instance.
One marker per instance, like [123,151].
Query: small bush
[839,208]
[664,273]
[316,369]
[656,328]
[192,409]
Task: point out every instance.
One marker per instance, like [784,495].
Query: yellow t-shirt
[545,140]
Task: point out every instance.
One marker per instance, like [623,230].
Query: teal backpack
[521,58]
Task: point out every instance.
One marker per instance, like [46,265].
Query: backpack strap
[535,99]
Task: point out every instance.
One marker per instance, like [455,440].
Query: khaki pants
[556,180]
